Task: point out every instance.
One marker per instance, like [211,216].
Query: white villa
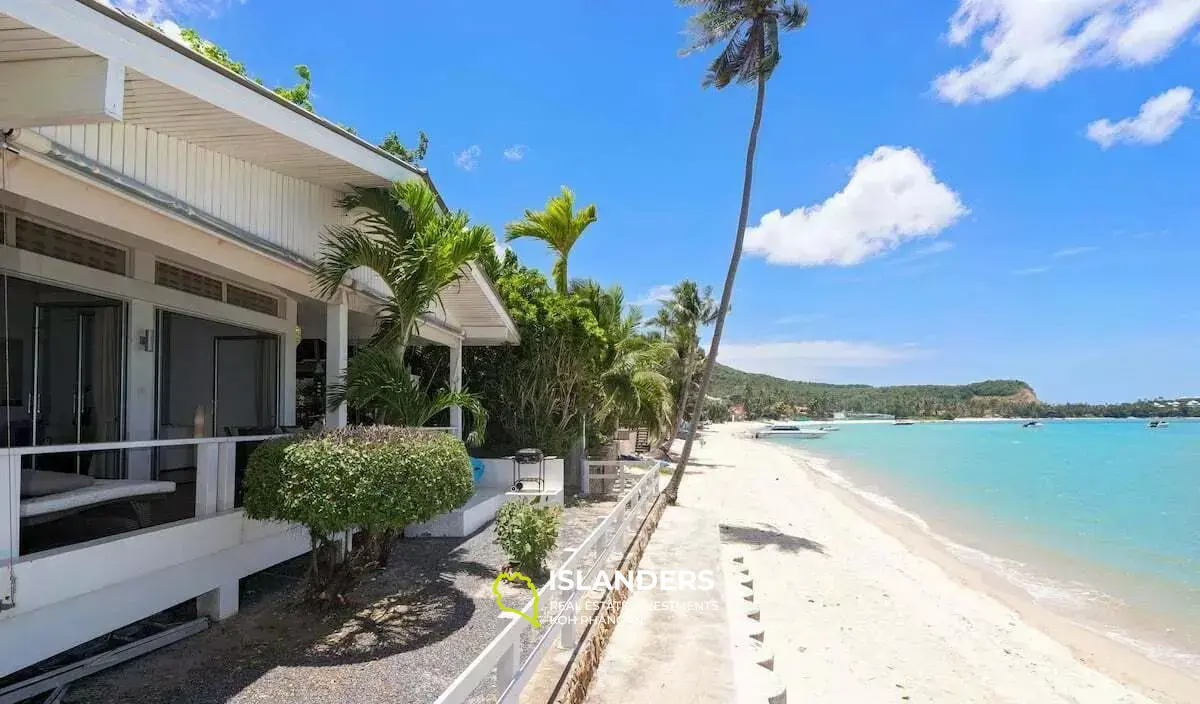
[159,216]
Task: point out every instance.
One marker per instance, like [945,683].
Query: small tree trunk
[672,492]
[679,407]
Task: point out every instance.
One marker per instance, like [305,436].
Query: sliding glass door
[77,383]
[245,383]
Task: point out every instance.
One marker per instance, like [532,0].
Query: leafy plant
[401,234]
[379,384]
[750,31]
[559,226]
[391,144]
[681,318]
[378,479]
[528,533]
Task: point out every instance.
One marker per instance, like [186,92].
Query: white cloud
[936,248]
[1157,120]
[1074,251]
[892,196]
[159,10]
[800,318]
[812,359]
[1035,43]
[1031,271]
[516,152]
[468,158]
[172,30]
[656,294]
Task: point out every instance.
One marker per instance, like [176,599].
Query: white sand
[878,617]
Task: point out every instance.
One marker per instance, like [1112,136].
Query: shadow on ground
[417,601]
[768,535]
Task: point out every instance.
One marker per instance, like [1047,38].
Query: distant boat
[829,428]
[1157,423]
[1033,424]
[906,422]
[789,430]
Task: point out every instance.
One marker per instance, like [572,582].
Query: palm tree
[401,234]
[681,317]
[379,384]
[559,226]
[631,386]
[750,31]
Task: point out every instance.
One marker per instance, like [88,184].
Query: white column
[142,348]
[337,353]
[10,523]
[215,469]
[287,367]
[456,414]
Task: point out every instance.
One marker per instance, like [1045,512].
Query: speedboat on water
[789,430]
[1033,424]
[1157,423]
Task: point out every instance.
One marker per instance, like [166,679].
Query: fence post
[567,636]
[506,669]
[10,525]
[214,493]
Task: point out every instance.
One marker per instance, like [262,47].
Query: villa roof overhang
[111,67]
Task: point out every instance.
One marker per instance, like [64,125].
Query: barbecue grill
[530,456]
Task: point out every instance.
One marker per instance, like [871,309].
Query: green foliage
[559,226]
[300,93]
[750,32]
[528,533]
[211,51]
[375,478]
[768,396]
[391,144]
[380,386]
[537,389]
[379,479]
[402,234]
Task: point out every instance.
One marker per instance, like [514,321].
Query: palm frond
[793,15]
[345,249]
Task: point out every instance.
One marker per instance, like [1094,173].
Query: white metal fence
[503,654]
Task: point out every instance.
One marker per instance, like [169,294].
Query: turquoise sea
[1098,520]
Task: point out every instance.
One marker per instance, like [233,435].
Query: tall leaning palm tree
[681,318]
[559,226]
[401,234]
[749,29]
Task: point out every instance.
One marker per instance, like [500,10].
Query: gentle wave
[1052,593]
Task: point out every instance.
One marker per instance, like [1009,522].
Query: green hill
[766,395]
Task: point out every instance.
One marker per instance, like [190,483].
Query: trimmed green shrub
[375,478]
[527,533]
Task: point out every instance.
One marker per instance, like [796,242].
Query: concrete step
[761,685]
[757,653]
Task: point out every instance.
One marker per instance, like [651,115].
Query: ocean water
[1098,520]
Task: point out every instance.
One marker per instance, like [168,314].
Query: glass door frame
[276,375]
[35,398]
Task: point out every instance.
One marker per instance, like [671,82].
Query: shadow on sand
[768,535]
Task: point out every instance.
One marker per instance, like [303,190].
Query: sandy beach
[859,607]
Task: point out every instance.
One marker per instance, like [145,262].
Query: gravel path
[409,632]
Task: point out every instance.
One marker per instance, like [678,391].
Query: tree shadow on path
[769,535]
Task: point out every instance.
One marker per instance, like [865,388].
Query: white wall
[284,211]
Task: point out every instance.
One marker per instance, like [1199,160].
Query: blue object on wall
[477,468]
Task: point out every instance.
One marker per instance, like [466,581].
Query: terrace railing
[503,655]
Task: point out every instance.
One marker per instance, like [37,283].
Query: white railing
[619,475]
[503,653]
[215,486]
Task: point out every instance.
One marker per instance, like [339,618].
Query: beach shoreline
[987,630]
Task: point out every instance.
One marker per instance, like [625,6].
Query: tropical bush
[378,479]
[379,385]
[527,533]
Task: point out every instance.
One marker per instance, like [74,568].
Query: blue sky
[968,216]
